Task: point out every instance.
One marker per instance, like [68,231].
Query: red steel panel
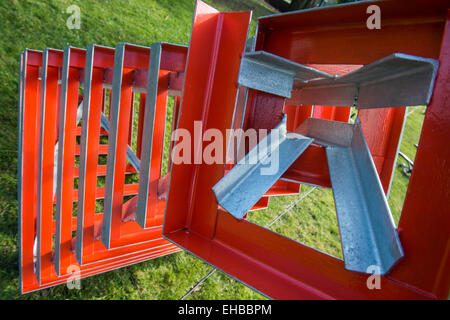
[145,245]
[156,205]
[128,233]
[382,129]
[87,184]
[253,254]
[173,59]
[112,264]
[425,221]
[64,188]
[50,91]
[210,82]
[28,150]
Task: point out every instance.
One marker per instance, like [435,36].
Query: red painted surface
[335,38]
[29,152]
[64,210]
[273,264]
[135,244]
[50,91]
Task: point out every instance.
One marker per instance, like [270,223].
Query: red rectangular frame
[29,124]
[274,265]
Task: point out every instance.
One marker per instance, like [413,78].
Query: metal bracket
[267,72]
[368,234]
[395,81]
[251,177]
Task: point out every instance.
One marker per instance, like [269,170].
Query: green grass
[38,24]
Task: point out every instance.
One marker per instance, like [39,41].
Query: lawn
[38,24]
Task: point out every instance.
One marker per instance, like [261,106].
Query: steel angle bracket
[394,81]
[368,235]
[269,73]
[252,176]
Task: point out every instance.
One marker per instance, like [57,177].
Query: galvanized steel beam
[267,72]
[395,81]
[251,177]
[367,229]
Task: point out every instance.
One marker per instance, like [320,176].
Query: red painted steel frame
[217,43]
[64,190]
[28,152]
[170,59]
[271,263]
[141,244]
[101,259]
[50,92]
[136,60]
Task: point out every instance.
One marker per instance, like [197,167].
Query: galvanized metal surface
[394,81]
[367,229]
[269,73]
[255,174]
